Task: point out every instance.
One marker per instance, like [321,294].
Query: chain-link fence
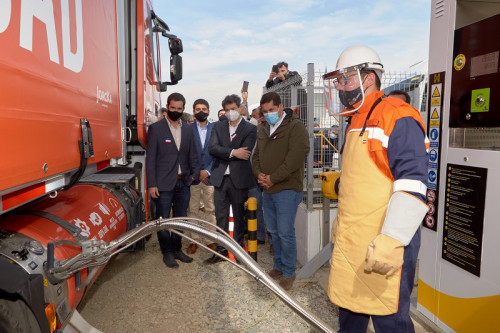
[308,98]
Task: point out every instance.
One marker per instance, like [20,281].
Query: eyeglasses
[344,79]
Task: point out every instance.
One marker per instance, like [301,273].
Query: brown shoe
[212,246]
[271,250]
[192,248]
[275,274]
[287,283]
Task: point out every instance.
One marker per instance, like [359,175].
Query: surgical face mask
[332,136]
[174,115]
[233,115]
[272,117]
[201,116]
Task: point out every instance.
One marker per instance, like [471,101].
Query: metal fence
[307,96]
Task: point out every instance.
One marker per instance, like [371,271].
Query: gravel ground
[138,293]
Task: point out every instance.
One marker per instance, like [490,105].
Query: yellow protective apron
[363,198]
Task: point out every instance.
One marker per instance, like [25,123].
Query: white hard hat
[358,57]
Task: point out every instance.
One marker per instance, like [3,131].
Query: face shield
[348,82]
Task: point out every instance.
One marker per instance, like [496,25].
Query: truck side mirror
[175,45]
[175,72]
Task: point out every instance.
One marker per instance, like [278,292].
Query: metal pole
[310,126]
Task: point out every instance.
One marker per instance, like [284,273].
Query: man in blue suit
[202,191]
[171,167]
[231,143]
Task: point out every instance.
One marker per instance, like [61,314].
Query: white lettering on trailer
[112,223]
[43,10]
[72,61]
[95,218]
[119,211]
[82,225]
[104,209]
[103,232]
[113,202]
[5,10]
[104,96]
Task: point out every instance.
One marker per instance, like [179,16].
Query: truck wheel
[16,316]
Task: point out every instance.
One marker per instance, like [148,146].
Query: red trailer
[81,81]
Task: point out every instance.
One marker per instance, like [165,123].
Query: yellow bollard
[252,227]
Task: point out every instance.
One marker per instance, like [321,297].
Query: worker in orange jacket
[383,184]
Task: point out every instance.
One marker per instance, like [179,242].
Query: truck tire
[16,316]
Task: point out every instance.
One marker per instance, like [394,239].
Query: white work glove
[384,255]
[335,225]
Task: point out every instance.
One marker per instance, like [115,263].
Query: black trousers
[224,195]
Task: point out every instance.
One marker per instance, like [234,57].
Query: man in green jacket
[278,165]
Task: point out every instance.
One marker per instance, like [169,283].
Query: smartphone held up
[245,86]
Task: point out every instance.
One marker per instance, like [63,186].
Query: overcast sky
[228,41]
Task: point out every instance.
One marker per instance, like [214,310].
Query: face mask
[201,116]
[222,118]
[233,115]
[332,136]
[174,115]
[349,98]
[272,117]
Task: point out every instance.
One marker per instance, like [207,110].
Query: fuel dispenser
[459,267]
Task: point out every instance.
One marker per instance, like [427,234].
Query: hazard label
[434,123]
[435,114]
[436,93]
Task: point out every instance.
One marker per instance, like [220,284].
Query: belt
[179,176]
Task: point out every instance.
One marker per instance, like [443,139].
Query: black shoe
[215,258]
[179,255]
[169,260]
[260,242]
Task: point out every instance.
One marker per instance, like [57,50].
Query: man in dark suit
[202,191]
[231,143]
[171,166]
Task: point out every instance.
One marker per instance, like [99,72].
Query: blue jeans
[399,322]
[177,200]
[279,212]
[256,192]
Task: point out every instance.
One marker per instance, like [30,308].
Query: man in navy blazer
[171,167]
[202,191]
[231,143]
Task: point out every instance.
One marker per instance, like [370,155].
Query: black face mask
[222,118]
[349,98]
[201,116]
[174,115]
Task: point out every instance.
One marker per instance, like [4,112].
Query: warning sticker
[434,123]
[435,114]
[436,92]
